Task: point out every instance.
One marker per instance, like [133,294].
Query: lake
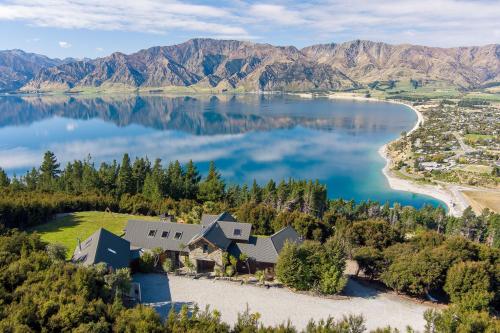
[248,136]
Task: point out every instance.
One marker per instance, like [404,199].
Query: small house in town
[205,244]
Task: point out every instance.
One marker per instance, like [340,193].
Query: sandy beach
[450,195]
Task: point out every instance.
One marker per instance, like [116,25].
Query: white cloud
[64,45]
[99,49]
[155,16]
[430,22]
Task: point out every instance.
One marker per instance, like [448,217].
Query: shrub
[229,271]
[469,283]
[167,265]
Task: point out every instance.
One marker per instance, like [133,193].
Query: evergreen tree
[140,169]
[212,187]
[31,179]
[255,192]
[90,176]
[151,189]
[191,181]
[175,180]
[4,180]
[107,177]
[49,170]
[125,181]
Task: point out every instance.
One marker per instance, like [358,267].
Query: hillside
[229,64]
[18,67]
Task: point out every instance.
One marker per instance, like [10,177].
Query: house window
[205,248]
[237,232]
[164,234]
[178,235]
[152,233]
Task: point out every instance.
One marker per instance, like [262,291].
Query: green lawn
[66,229]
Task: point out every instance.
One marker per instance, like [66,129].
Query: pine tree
[125,181]
[151,189]
[141,167]
[31,179]
[212,187]
[49,170]
[256,192]
[175,180]
[4,180]
[191,181]
[107,177]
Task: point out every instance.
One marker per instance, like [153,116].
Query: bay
[248,136]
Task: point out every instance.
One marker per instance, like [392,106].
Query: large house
[206,243]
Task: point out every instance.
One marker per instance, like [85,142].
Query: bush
[469,283]
[312,265]
[230,271]
[370,261]
[167,265]
[146,263]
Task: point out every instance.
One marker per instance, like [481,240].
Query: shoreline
[448,195]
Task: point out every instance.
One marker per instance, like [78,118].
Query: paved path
[278,305]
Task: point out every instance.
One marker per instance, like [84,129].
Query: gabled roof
[137,232]
[260,249]
[286,234]
[266,249]
[229,230]
[103,246]
[207,219]
[215,235]
[228,224]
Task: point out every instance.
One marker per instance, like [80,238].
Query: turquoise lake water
[248,136]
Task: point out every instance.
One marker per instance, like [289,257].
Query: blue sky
[94,28]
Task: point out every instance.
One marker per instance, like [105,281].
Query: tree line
[142,187]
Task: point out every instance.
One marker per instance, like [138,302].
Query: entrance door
[205,266]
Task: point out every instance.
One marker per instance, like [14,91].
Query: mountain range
[220,65]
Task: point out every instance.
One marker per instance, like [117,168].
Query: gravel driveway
[277,305]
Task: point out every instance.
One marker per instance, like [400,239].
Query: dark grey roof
[207,219]
[229,227]
[265,249]
[285,234]
[260,249]
[103,246]
[137,233]
[215,235]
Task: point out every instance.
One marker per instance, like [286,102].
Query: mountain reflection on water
[248,136]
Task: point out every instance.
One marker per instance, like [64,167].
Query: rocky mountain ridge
[220,65]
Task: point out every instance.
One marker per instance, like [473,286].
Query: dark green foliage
[312,266]
[457,319]
[375,233]
[125,182]
[49,171]
[212,187]
[4,180]
[370,260]
[468,282]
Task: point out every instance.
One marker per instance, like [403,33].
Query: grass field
[66,229]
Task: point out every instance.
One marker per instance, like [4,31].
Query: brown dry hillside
[231,64]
